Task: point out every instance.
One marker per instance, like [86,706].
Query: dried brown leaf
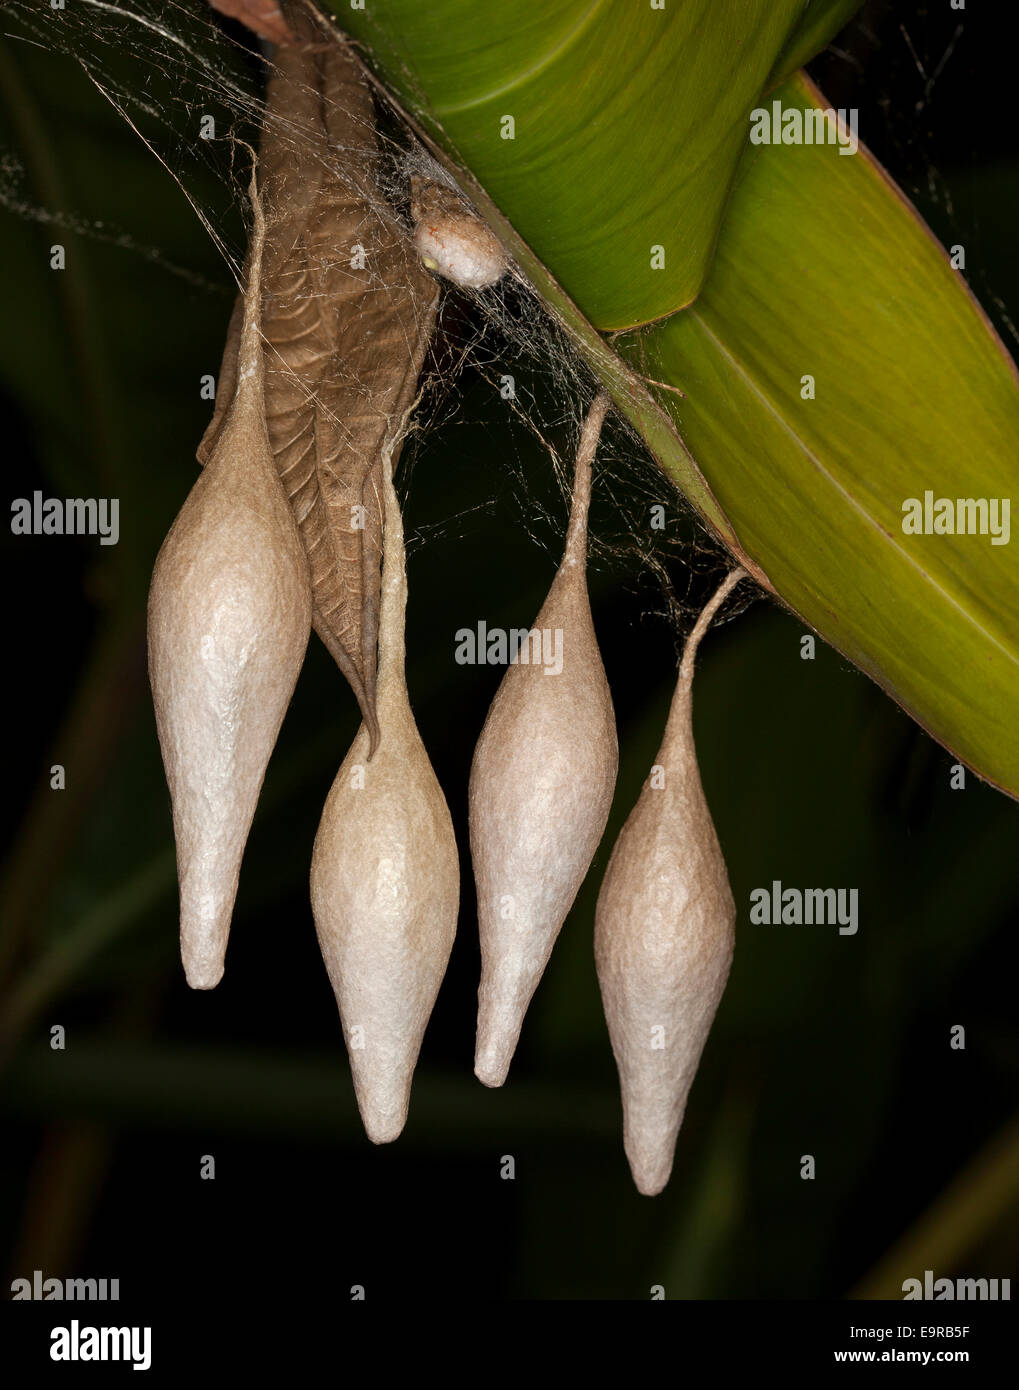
[347,334]
[347,315]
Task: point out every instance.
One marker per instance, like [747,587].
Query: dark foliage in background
[828,1045]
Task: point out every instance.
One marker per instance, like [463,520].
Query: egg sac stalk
[228,622]
[540,789]
[664,935]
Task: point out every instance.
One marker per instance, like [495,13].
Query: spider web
[484,336]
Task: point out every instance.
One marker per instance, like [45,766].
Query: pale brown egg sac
[228,623]
[540,790]
[385,876]
[664,935]
[451,240]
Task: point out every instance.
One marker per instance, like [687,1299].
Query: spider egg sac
[664,936]
[452,242]
[541,786]
[228,622]
[385,876]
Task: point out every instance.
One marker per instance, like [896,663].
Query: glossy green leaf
[628,122]
[823,270]
[820,23]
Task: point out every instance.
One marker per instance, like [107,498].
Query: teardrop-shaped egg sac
[385,877]
[541,785]
[664,937]
[228,624]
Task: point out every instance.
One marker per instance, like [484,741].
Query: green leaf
[821,22]
[823,269]
[628,124]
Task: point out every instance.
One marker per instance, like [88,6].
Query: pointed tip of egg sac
[203,975]
[207,895]
[491,1066]
[383,1106]
[203,961]
[383,1130]
[651,1172]
[652,1120]
[650,1146]
[503,999]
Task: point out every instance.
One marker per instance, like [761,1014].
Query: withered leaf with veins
[347,314]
